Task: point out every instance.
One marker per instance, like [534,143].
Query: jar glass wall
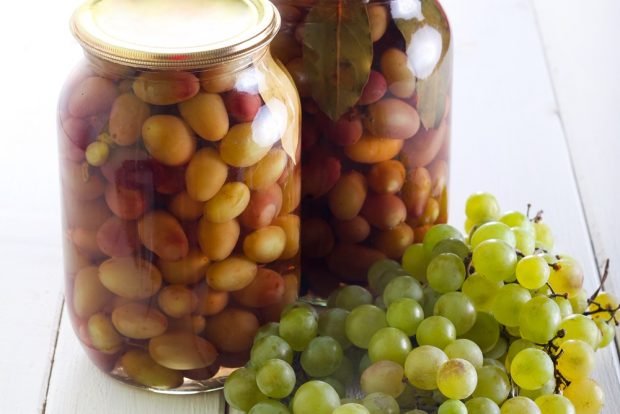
[375,80]
[180,190]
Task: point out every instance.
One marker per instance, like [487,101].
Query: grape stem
[603,280]
[554,353]
[554,295]
[599,308]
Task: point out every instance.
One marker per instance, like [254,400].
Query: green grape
[336,385]
[439,398]
[298,327]
[458,308]
[482,405]
[544,236]
[402,287]
[380,403]
[554,404]
[452,407]
[517,219]
[268,329]
[580,327]
[345,373]
[513,331]
[526,241]
[351,408]
[416,411]
[387,277]
[415,261]
[514,348]
[519,405]
[299,305]
[566,277]
[276,379]
[430,298]
[331,299]
[607,333]
[586,396]
[389,344]
[485,332]
[493,383]
[539,320]
[379,303]
[495,259]
[332,323]
[457,379]
[378,268]
[321,357]
[566,309]
[270,347]
[362,323]
[470,225]
[579,302]
[508,304]
[575,359]
[364,363]
[352,296]
[438,233]
[493,230]
[481,291]
[533,272]
[422,365]
[383,376]
[481,207]
[446,273]
[315,397]
[547,389]
[607,302]
[405,314]
[499,350]
[436,331]
[531,369]
[454,246]
[269,407]
[241,391]
[410,397]
[490,362]
[467,350]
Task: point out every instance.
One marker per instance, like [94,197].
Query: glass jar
[178,137]
[375,81]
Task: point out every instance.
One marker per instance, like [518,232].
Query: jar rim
[167,34]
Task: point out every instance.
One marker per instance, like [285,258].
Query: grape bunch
[494,323]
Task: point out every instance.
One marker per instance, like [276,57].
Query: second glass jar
[375,80]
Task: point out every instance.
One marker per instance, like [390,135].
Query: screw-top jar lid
[185,34]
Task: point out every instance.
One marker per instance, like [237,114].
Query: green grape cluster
[488,323]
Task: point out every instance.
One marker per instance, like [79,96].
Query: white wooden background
[536,119]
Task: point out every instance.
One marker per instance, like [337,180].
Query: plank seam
[48,379]
[569,148]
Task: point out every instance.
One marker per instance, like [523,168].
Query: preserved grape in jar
[180,175]
[375,81]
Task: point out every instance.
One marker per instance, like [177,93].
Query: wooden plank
[30,300]
[508,138]
[584,67]
[77,386]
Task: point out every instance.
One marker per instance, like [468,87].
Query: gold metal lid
[183,34]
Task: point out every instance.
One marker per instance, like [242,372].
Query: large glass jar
[375,80]
[178,138]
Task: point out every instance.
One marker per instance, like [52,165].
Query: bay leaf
[337,53]
[432,90]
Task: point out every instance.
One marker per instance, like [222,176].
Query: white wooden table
[536,119]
